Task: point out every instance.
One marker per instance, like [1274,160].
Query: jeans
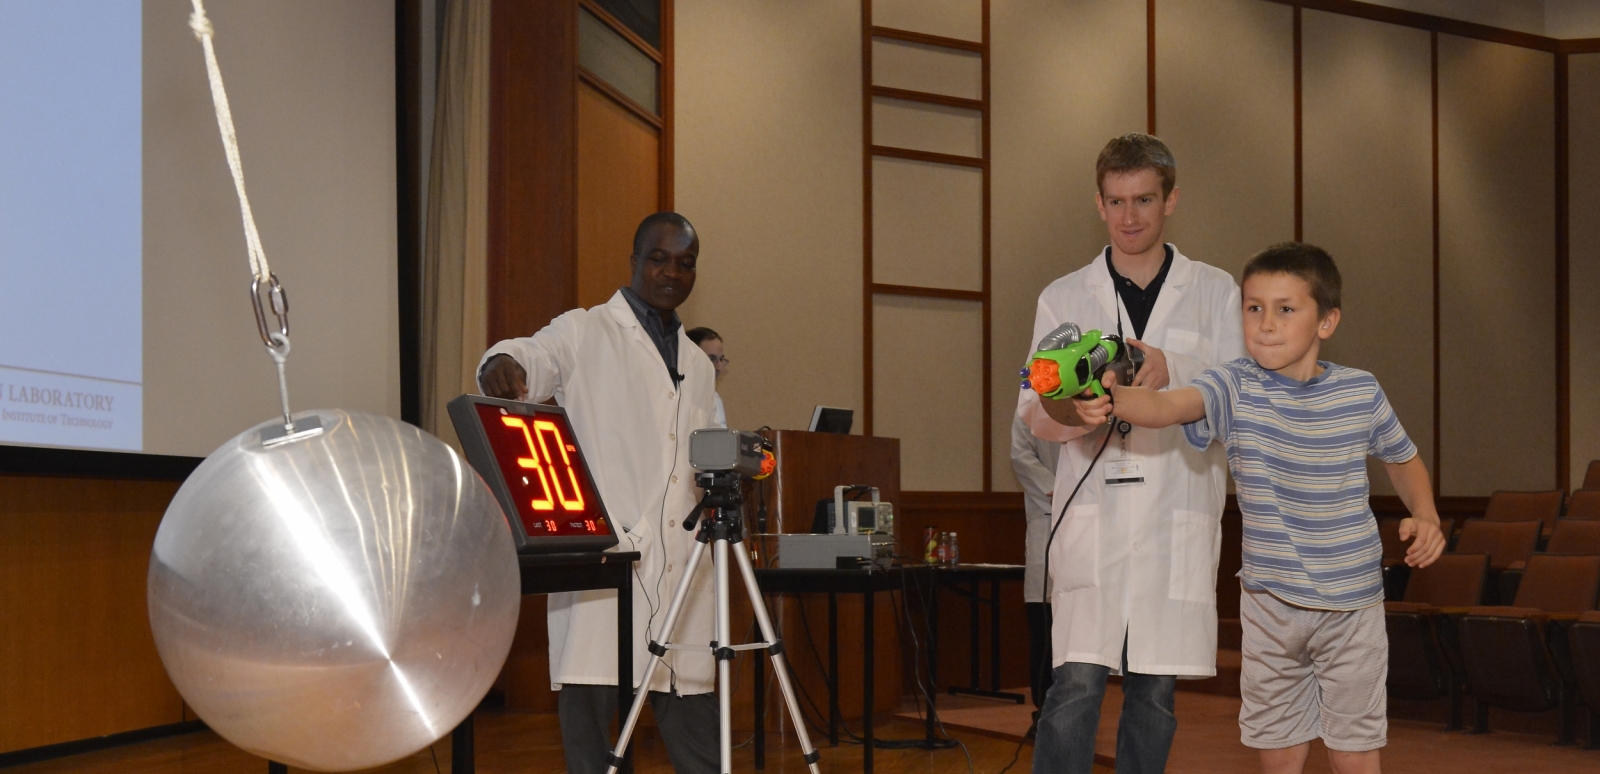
[688,728]
[1071,714]
[1038,650]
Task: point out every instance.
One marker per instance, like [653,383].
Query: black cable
[1017,754]
[435,759]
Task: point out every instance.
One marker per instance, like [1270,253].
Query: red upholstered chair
[1591,477]
[1516,657]
[1584,504]
[1519,506]
[1584,638]
[1424,658]
[1508,544]
[1574,536]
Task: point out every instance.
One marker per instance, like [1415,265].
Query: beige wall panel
[768,165]
[1583,73]
[1225,105]
[312,91]
[1066,78]
[1367,129]
[933,69]
[1497,264]
[897,123]
[619,183]
[927,224]
[927,387]
[961,19]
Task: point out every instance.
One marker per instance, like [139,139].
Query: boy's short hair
[1308,262]
[1133,152]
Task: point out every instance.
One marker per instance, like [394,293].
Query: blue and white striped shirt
[1298,453]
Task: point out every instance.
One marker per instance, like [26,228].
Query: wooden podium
[810,465]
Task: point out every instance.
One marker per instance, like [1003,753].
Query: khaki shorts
[1310,673]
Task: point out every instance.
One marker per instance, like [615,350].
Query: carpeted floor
[1208,740]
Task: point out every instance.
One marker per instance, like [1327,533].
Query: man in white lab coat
[634,388]
[1133,559]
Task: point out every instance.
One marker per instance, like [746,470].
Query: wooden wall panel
[898,64]
[1367,127]
[927,224]
[962,19]
[77,659]
[532,166]
[1583,72]
[1051,60]
[618,185]
[1225,105]
[898,123]
[927,392]
[1497,265]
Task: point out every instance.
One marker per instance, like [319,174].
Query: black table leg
[625,659]
[933,652]
[973,602]
[462,760]
[994,635]
[274,767]
[833,669]
[867,678]
[759,668]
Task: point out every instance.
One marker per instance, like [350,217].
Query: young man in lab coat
[1133,560]
[634,387]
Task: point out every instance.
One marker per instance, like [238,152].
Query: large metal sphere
[336,602]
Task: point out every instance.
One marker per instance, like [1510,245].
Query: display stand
[549,574]
[965,580]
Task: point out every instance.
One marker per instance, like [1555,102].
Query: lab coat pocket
[1075,552]
[1196,541]
[1187,343]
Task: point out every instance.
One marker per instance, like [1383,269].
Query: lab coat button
[672,436]
[674,479]
[672,522]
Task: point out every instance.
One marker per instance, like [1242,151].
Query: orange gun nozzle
[1044,375]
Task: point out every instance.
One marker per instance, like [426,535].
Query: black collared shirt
[1139,301]
[663,330]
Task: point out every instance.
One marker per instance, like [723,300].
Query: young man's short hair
[1308,262]
[1133,152]
[701,334]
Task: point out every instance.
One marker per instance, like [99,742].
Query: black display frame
[480,455]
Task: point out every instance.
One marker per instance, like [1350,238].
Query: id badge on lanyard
[1127,469]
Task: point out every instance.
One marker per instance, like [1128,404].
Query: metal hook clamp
[278,301]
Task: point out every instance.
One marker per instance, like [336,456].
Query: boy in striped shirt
[1297,431]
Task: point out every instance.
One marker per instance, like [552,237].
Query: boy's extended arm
[1410,479]
[1145,407]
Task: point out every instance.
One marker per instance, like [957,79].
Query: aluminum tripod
[725,498]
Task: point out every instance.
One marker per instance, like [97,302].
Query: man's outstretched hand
[503,378]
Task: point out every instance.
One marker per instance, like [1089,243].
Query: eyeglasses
[721,360]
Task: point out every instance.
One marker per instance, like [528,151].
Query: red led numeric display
[551,486]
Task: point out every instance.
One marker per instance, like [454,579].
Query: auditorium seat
[1424,658]
[1574,537]
[1591,477]
[1508,544]
[1519,506]
[1585,641]
[1516,656]
[1584,505]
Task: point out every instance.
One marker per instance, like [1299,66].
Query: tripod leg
[723,654]
[778,667]
[657,651]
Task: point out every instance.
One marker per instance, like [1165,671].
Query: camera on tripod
[722,459]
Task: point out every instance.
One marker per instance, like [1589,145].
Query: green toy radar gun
[1070,361]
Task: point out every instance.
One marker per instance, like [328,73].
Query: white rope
[230,141]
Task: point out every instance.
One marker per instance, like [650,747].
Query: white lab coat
[634,425]
[1034,460]
[1142,559]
